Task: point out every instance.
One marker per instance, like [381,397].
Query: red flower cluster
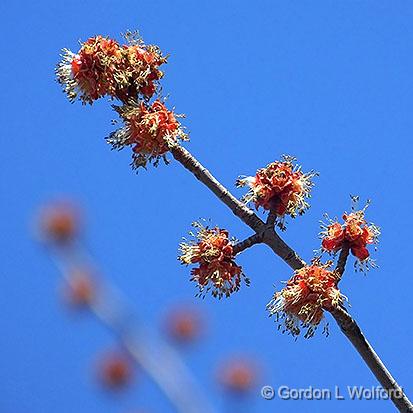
[104,67]
[147,129]
[93,68]
[280,187]
[355,232]
[141,69]
[217,271]
[301,301]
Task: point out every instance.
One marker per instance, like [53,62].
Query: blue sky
[329,82]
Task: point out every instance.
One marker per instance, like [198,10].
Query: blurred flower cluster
[59,222]
[84,290]
[184,324]
[114,369]
[238,374]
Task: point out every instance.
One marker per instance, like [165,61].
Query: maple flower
[281,187]
[140,71]
[90,73]
[213,251]
[300,303]
[147,129]
[104,67]
[355,232]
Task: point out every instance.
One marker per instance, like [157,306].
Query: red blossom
[147,129]
[103,67]
[280,187]
[141,66]
[301,301]
[217,270]
[334,238]
[93,68]
[355,232]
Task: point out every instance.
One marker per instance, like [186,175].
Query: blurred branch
[346,323]
[161,362]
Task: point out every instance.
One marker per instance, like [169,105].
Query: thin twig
[203,175]
[346,323]
[271,219]
[247,243]
[342,260]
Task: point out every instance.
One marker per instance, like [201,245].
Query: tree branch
[284,251]
[342,260]
[202,174]
[346,323]
[248,243]
[271,219]
[352,331]
[271,238]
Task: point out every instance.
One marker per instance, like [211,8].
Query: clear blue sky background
[330,82]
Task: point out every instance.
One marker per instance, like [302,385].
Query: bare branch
[285,252]
[352,331]
[203,175]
